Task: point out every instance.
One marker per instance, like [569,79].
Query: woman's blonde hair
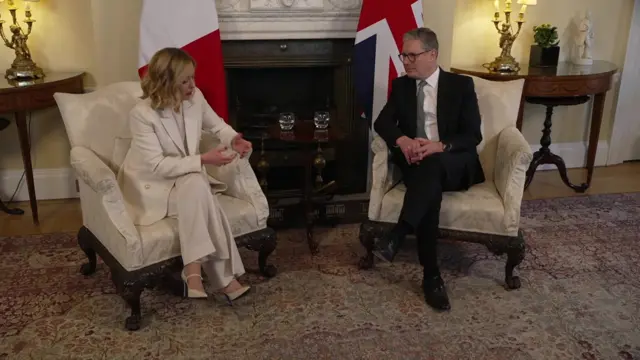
[163,77]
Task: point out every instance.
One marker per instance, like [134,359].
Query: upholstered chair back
[99,120]
[499,102]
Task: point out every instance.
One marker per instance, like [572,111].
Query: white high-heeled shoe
[236,294]
[192,293]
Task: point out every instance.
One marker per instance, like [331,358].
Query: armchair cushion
[478,209]
[160,241]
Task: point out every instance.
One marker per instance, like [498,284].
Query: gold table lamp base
[503,64]
[24,69]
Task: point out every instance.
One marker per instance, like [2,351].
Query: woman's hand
[241,146]
[217,156]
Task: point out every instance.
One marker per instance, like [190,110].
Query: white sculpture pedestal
[582,61]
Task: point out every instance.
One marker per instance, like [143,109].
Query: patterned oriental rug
[580,299]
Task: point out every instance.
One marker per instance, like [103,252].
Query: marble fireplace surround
[287,19]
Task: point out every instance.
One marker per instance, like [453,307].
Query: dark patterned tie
[422,116]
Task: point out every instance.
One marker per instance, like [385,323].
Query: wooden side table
[21,98]
[566,84]
[311,144]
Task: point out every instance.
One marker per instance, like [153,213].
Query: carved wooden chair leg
[84,237]
[367,240]
[131,293]
[515,255]
[267,247]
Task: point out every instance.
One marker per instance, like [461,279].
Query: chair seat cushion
[160,240]
[479,209]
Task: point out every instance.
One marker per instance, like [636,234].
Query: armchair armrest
[102,181]
[383,177]
[242,183]
[513,157]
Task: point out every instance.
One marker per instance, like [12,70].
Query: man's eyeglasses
[411,57]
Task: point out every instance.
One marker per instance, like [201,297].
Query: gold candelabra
[506,63]
[23,67]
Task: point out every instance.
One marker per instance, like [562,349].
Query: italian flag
[192,26]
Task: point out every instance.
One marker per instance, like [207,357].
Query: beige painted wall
[101,38]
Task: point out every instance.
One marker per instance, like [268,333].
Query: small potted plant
[545,51]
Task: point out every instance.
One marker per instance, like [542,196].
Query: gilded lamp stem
[506,62]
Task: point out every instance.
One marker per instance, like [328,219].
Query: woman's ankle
[193,273]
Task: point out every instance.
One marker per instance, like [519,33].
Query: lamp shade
[527,2]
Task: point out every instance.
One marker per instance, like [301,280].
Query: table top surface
[50,77]
[564,69]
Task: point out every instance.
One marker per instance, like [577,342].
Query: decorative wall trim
[287,19]
[60,183]
[50,184]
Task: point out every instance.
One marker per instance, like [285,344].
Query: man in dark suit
[431,124]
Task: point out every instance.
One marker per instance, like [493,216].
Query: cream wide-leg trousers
[205,233]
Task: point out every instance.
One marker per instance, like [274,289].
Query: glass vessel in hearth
[321,119]
[287,121]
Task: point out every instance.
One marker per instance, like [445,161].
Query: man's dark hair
[427,37]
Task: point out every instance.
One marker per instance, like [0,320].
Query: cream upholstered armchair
[143,256]
[487,213]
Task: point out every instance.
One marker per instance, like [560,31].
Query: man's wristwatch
[446,147]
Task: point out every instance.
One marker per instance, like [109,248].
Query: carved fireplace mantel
[287,19]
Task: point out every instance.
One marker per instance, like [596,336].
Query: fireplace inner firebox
[269,77]
[260,95]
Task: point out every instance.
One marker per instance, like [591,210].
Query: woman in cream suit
[163,174]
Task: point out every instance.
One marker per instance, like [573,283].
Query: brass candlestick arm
[506,63]
[23,67]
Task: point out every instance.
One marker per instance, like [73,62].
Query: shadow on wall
[4,123]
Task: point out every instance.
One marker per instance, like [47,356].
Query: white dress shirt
[178,116]
[430,105]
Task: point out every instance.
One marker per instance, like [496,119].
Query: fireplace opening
[269,77]
[259,95]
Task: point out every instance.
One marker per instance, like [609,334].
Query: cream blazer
[157,156]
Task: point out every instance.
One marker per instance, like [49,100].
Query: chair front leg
[131,293]
[367,237]
[369,232]
[515,255]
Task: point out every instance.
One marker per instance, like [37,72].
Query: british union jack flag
[376,63]
[377,46]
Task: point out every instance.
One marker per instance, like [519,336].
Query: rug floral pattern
[580,299]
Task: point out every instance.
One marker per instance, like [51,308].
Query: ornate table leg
[25,146]
[308,203]
[594,133]
[545,156]
[263,168]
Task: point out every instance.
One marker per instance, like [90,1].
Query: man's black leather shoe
[435,293]
[387,247]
